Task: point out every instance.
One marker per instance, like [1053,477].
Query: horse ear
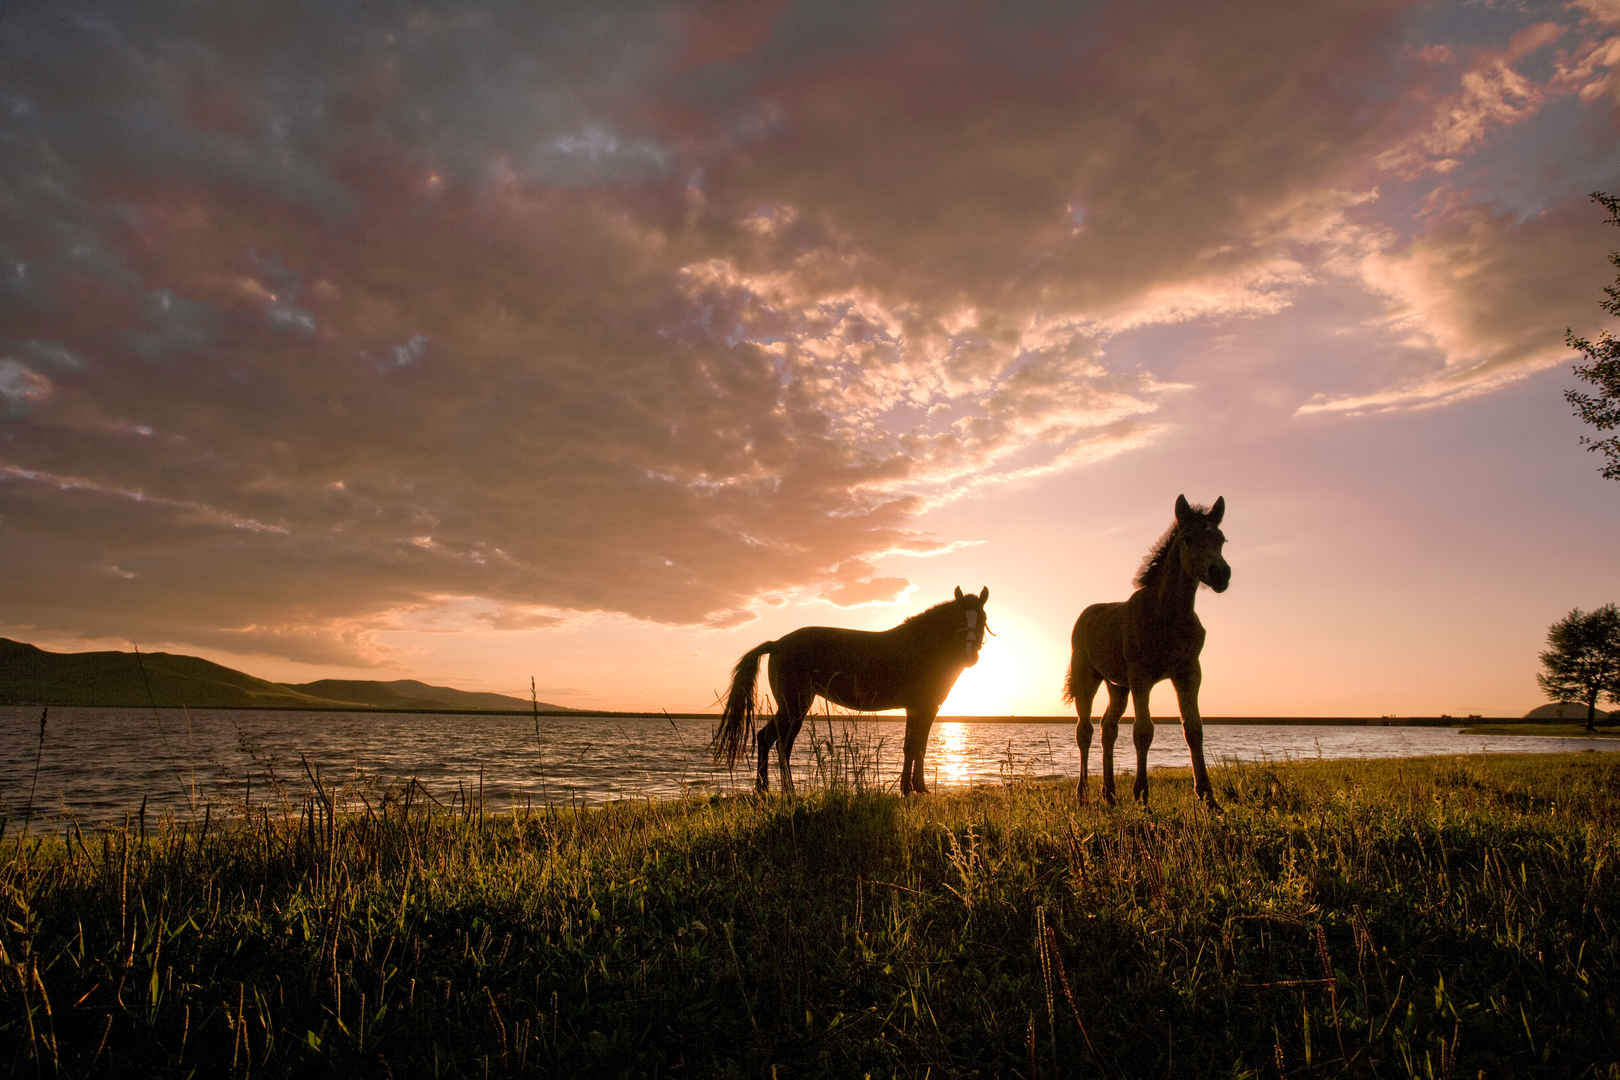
[984,594]
[959,592]
[1182,509]
[1217,511]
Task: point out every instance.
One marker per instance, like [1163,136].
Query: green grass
[1575,729]
[1424,917]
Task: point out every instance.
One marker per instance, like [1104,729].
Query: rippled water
[99,764]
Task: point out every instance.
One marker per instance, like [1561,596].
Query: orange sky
[599,346]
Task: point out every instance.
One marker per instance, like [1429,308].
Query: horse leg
[1117,696]
[1085,694]
[792,701]
[1192,726]
[918,723]
[1142,735]
[766,737]
[905,758]
[785,748]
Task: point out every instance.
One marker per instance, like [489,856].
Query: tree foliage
[1602,366]
[1583,658]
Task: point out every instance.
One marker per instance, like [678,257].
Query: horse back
[858,669]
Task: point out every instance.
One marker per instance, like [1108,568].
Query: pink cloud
[1481,299]
[1491,94]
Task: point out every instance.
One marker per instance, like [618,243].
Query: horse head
[973,624]
[1199,541]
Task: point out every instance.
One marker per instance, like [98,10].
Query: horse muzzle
[972,631]
[1220,577]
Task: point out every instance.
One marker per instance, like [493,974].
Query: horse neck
[933,631]
[1175,590]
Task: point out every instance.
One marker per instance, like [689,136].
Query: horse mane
[928,615]
[1159,554]
[1153,565]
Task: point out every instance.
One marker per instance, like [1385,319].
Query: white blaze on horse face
[970,617]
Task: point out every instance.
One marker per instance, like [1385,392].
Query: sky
[594,344]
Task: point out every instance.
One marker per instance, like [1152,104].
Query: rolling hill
[1565,710]
[33,676]
[410,694]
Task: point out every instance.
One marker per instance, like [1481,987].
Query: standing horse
[1154,635]
[914,665]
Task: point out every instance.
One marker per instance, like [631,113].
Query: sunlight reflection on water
[98,764]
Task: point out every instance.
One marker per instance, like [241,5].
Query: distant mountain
[410,694]
[1565,710]
[32,676]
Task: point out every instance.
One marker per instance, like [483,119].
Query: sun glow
[947,757]
[992,687]
[1019,673]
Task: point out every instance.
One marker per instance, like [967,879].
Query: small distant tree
[1583,659]
[1602,366]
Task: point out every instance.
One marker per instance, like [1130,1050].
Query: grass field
[1572,729]
[1418,917]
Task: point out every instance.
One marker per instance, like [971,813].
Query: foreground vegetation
[1562,729]
[1429,917]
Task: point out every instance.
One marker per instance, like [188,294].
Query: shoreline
[1466,722]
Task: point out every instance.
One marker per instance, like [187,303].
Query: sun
[1019,673]
[993,687]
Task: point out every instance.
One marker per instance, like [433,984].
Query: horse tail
[1075,660]
[737,720]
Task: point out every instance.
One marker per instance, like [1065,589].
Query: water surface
[97,765]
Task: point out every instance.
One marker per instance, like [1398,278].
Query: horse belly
[856,690]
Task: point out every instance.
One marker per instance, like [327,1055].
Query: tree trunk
[1591,711]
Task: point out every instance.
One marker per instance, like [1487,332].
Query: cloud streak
[1477,300]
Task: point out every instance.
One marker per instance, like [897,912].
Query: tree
[1602,366]
[1584,659]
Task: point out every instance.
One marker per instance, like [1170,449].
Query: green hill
[33,676]
[1564,710]
[410,694]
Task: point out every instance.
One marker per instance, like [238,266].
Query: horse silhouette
[911,666]
[1135,643]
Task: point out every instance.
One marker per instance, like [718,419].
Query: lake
[97,765]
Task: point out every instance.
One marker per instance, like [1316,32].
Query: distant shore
[1484,725]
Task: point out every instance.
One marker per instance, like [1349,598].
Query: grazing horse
[1154,635]
[913,665]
